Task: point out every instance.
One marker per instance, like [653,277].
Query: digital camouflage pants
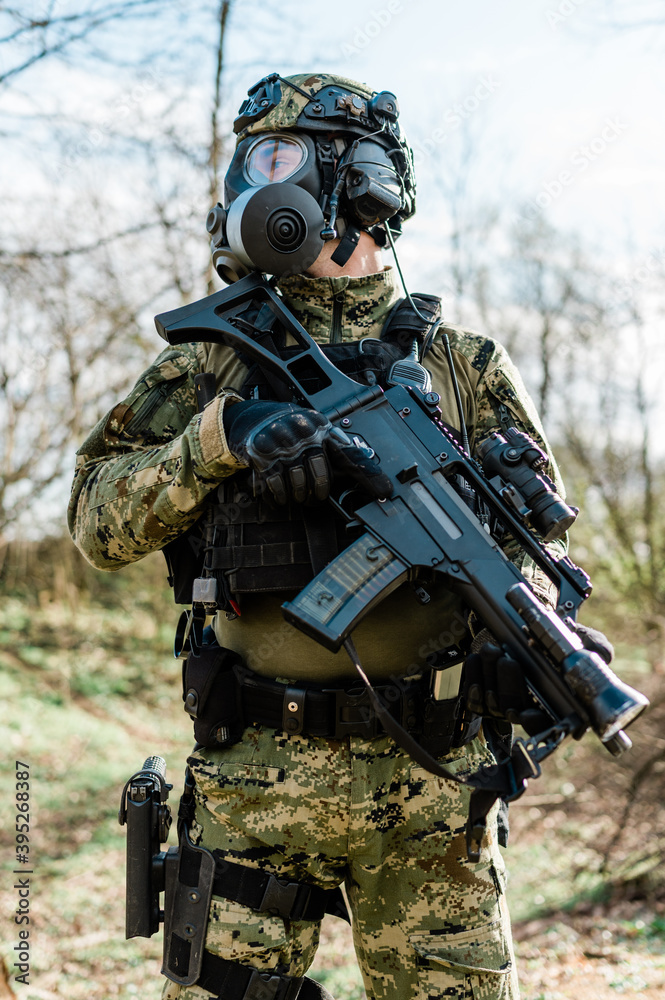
[427,924]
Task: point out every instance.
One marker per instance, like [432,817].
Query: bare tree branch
[79,25]
[33,254]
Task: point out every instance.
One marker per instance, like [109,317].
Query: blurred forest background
[102,225]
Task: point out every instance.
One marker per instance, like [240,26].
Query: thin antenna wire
[413,305]
[458,397]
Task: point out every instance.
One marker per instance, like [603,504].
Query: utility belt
[222,696]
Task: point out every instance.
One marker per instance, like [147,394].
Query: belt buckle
[265,986]
[365,723]
[285,899]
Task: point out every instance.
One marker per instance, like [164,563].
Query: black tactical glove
[295,452]
[493,685]
[593,640]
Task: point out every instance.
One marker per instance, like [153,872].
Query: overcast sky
[568,112]
[565,112]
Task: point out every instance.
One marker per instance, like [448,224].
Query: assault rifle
[428,526]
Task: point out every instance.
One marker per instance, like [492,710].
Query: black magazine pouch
[211,694]
[184,561]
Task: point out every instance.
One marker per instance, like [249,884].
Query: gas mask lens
[273,158]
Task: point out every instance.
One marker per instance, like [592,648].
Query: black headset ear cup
[275,228]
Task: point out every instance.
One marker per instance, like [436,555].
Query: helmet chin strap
[347,245]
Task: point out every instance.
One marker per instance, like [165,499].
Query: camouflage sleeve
[144,471]
[501,401]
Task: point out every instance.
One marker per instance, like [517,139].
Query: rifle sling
[503,780]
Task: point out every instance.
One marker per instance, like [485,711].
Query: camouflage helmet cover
[291,102]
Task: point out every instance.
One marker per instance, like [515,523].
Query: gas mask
[340,167]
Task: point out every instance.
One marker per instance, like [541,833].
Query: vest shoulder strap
[404,325]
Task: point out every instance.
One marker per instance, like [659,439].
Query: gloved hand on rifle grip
[295,452]
[593,640]
[493,685]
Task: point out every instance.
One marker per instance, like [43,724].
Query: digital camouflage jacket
[145,471]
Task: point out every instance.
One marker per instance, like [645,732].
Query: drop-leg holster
[193,875]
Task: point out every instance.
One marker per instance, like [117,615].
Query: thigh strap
[269,894]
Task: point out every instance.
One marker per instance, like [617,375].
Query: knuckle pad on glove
[495,682]
[320,476]
[275,484]
[298,481]
[474,699]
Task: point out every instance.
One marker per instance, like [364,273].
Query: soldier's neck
[365,259]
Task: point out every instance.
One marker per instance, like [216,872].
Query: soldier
[303,786]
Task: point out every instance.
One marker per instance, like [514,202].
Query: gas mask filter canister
[276,229]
